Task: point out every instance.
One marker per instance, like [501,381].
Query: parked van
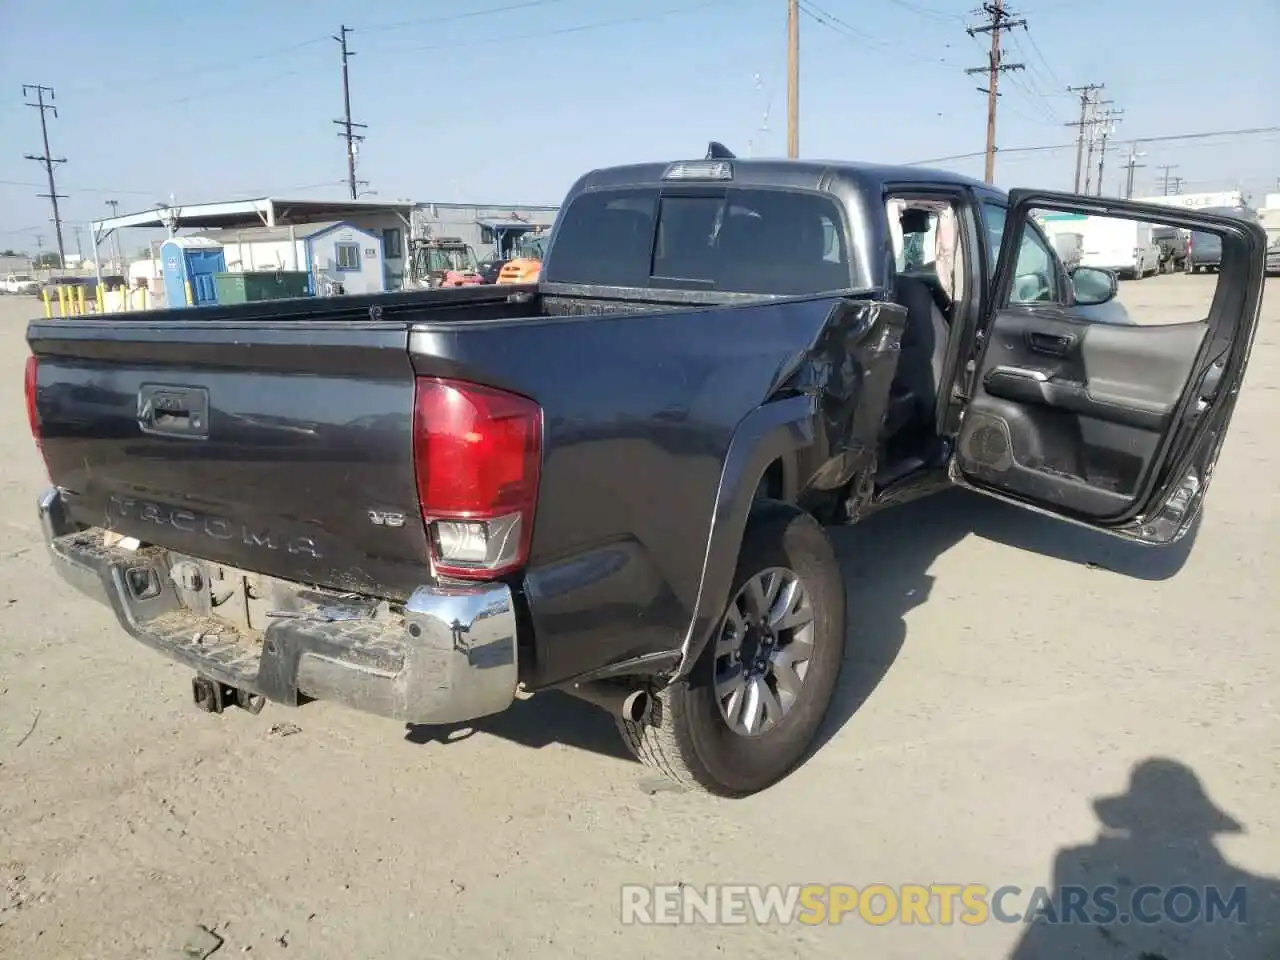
[1126,246]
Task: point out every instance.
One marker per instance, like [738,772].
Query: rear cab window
[734,240]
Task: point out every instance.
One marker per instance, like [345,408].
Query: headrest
[914,221]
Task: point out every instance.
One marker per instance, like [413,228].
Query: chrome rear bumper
[448,656]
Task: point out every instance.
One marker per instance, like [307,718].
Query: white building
[361,260]
[272,233]
[1216,198]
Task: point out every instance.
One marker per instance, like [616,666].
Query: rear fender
[774,432]
[823,438]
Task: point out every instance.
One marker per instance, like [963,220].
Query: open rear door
[1101,402]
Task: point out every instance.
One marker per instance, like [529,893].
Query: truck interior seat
[914,392]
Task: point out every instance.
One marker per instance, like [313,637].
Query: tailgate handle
[174,411]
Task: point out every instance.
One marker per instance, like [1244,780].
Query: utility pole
[1086,100]
[77,230]
[1109,120]
[53,196]
[1132,163]
[1093,122]
[793,79]
[346,123]
[115,212]
[1166,167]
[999,22]
[1177,185]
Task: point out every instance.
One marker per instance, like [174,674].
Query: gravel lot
[1005,672]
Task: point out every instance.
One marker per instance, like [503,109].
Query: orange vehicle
[526,265]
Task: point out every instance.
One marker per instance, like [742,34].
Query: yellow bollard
[80,299]
[62,301]
[191,300]
[48,305]
[100,297]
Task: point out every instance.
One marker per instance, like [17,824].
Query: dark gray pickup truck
[616,482]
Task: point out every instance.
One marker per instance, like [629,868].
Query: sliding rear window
[731,241]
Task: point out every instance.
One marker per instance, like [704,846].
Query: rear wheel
[752,703]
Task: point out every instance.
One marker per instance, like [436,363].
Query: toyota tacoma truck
[618,482]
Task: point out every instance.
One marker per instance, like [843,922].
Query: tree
[11,253]
[49,259]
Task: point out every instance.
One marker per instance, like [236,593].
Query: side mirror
[1094,286]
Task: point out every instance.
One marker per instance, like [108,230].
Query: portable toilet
[193,261]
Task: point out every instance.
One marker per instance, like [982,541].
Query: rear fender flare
[775,431]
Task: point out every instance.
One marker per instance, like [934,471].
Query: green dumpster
[260,285]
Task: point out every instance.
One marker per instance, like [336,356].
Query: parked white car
[21,283]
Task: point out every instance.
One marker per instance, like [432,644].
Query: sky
[503,101]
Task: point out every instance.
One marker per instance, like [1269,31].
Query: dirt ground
[1005,673]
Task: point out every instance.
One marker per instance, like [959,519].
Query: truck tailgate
[281,448]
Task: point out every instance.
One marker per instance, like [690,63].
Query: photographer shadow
[1153,885]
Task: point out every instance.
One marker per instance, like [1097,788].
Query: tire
[687,735]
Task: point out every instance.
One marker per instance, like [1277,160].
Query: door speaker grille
[985,442]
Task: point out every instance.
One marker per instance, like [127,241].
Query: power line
[346,123]
[999,22]
[835,24]
[928,12]
[558,32]
[46,159]
[74,189]
[469,15]
[1247,131]
[1036,47]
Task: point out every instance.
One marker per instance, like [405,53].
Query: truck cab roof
[824,175]
[844,202]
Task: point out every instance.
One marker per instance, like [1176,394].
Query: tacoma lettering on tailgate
[207,525]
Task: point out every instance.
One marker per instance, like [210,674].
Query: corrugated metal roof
[267,234]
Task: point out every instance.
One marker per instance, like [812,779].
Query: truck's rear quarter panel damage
[640,413]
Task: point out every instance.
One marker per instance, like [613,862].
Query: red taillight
[33,412]
[477,453]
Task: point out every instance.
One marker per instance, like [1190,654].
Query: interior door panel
[1116,425]
[1081,407]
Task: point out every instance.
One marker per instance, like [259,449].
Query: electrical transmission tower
[347,124]
[45,159]
[998,21]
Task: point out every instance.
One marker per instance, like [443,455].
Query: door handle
[1055,345]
